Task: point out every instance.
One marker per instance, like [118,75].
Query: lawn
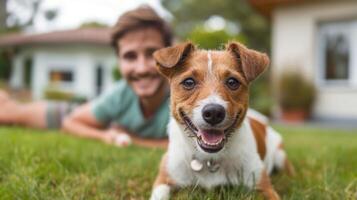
[47,165]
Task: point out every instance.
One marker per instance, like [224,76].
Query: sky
[73,13]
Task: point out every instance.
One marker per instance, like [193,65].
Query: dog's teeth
[211,144]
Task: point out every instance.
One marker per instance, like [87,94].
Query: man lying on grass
[136,107]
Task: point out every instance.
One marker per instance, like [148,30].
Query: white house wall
[82,58]
[294,47]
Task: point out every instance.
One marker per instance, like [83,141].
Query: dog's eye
[188,83]
[232,83]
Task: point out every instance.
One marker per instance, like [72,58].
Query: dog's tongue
[212,136]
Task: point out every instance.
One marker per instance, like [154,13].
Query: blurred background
[59,49]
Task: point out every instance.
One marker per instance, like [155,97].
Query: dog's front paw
[161,192]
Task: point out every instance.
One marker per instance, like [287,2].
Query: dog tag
[212,166]
[196,165]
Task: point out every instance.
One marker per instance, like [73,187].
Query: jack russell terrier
[212,139]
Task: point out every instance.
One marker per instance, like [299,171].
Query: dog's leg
[163,183]
[281,161]
[266,188]
[289,168]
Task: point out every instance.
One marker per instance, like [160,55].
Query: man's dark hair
[140,18]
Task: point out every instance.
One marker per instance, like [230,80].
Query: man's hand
[117,138]
[81,122]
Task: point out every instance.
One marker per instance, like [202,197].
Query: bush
[52,93]
[116,73]
[295,92]
[5,66]
[260,95]
[212,39]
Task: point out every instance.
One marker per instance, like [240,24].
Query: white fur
[161,192]
[197,111]
[257,115]
[239,160]
[279,159]
[272,141]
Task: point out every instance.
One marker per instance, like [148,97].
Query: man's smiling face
[137,64]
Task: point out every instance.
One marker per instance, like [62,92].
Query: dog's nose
[213,113]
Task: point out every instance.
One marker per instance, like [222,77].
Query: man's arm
[81,122]
[145,142]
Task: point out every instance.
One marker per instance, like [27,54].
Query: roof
[265,7]
[87,36]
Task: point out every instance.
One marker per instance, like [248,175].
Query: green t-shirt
[120,106]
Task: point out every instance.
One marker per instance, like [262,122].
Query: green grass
[47,165]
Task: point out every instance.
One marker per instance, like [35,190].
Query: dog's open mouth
[210,140]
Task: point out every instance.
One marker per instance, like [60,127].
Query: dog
[212,139]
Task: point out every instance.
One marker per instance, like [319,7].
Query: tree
[17,18]
[212,39]
[190,13]
[3,14]
[93,24]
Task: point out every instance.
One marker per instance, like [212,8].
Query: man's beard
[151,75]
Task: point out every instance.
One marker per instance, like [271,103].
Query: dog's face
[209,89]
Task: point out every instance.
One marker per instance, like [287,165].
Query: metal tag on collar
[212,166]
[196,165]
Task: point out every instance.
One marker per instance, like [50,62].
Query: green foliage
[189,19]
[93,25]
[5,66]
[53,93]
[212,39]
[295,92]
[48,165]
[10,30]
[189,14]
[260,97]
[116,73]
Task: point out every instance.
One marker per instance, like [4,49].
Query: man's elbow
[67,123]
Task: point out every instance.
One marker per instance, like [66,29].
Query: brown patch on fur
[183,61]
[170,57]
[163,177]
[289,168]
[195,66]
[259,131]
[266,188]
[253,63]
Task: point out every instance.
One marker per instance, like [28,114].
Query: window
[99,79]
[336,61]
[28,66]
[61,76]
[337,57]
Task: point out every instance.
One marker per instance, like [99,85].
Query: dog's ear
[170,57]
[253,63]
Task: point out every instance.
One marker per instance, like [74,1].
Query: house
[78,61]
[319,39]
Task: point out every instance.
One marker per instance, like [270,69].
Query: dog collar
[211,165]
